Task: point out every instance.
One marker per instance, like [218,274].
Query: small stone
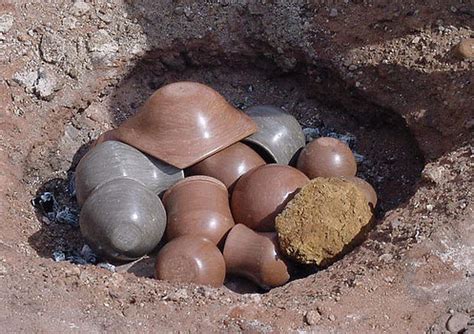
[3,270]
[6,23]
[52,48]
[352,67]
[312,317]
[26,79]
[102,46]
[435,174]
[416,40]
[430,207]
[387,257]
[79,8]
[333,12]
[457,322]
[332,317]
[465,49]
[46,86]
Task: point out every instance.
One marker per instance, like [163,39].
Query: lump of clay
[324,221]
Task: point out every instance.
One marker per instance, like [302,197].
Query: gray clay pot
[122,220]
[113,159]
[279,136]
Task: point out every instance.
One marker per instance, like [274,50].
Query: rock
[434,174]
[333,12]
[79,8]
[465,49]
[46,85]
[102,46]
[26,79]
[3,269]
[312,317]
[457,322]
[53,48]
[6,23]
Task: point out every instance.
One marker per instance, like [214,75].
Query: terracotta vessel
[261,194]
[112,159]
[184,123]
[327,157]
[198,205]
[122,220]
[191,259]
[255,256]
[279,136]
[229,164]
[365,188]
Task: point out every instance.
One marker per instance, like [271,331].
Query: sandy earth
[384,72]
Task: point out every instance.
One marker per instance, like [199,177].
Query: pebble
[457,322]
[333,12]
[102,45]
[3,270]
[80,8]
[312,317]
[46,85]
[465,49]
[6,23]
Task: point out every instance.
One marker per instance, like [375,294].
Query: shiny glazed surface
[112,159]
[255,256]
[229,164]
[122,220]
[262,193]
[279,134]
[185,122]
[191,259]
[198,206]
[327,157]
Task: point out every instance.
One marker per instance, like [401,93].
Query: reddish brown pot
[255,256]
[184,123]
[191,259]
[198,205]
[365,188]
[229,164]
[327,157]
[261,194]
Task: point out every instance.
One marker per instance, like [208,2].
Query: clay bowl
[198,206]
[262,193]
[229,164]
[184,123]
[113,159]
[191,259]
[327,157]
[279,136]
[255,256]
[365,188]
[122,220]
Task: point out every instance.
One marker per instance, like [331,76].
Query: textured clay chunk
[323,221]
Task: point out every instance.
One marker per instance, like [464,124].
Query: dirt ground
[382,73]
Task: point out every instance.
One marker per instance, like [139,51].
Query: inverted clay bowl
[122,220]
[261,194]
[191,259]
[198,206]
[279,136]
[229,164]
[184,123]
[327,157]
[365,188]
[255,256]
[113,159]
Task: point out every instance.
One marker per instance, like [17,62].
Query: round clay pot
[365,188]
[279,136]
[262,193]
[198,206]
[191,259]
[327,157]
[113,159]
[184,123]
[255,256]
[122,220]
[229,164]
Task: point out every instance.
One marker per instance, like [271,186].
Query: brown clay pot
[365,188]
[198,205]
[262,193]
[229,164]
[184,123]
[255,256]
[327,157]
[191,259]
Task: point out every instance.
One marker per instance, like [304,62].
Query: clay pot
[198,205]
[229,164]
[122,220]
[262,193]
[191,259]
[112,159]
[255,256]
[365,188]
[279,136]
[184,123]
[327,157]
